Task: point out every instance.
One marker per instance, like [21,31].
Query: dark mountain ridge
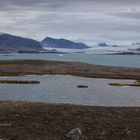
[12,43]
[62,43]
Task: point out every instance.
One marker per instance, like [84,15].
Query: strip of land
[27,67]
[42,121]
[124,84]
[18,82]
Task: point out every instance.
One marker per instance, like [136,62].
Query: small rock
[74,134]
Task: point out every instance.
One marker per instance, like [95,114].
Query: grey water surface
[109,60]
[63,89]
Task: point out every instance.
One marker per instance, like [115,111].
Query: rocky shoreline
[41,121]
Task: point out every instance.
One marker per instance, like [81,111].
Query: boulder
[74,134]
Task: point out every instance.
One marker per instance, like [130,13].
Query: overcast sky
[89,21]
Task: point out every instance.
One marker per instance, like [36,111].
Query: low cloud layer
[90,21]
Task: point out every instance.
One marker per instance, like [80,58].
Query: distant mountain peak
[11,43]
[103,45]
[62,43]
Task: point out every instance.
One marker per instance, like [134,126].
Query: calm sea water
[63,89]
[110,60]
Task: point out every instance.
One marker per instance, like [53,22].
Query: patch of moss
[124,84]
[18,82]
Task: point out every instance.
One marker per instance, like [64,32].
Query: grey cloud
[85,20]
[133,15]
